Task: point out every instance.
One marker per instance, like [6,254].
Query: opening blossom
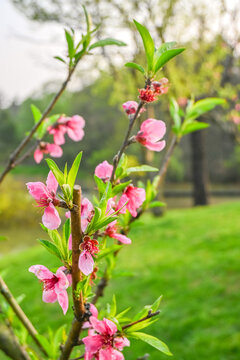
[130,107]
[54,285]
[73,126]
[46,148]
[157,88]
[45,196]
[89,248]
[102,342]
[134,197]
[104,171]
[111,231]
[151,131]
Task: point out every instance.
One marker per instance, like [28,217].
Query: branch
[166,159]
[10,346]
[78,302]
[13,157]
[149,316]
[125,143]
[20,314]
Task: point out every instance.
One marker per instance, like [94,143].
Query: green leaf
[88,18]
[44,342]
[122,313]
[70,43]
[113,308]
[108,251]
[135,66]
[174,111]
[74,170]
[144,168]
[41,131]
[165,57]
[36,113]
[105,42]
[66,231]
[141,325]
[156,304]
[118,188]
[153,341]
[163,48]
[60,59]
[3,238]
[147,42]
[101,185]
[51,247]
[194,126]
[156,204]
[203,106]
[56,171]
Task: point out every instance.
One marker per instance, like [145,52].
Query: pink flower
[86,213]
[46,148]
[45,196]
[151,131]
[54,286]
[89,248]
[147,95]
[103,344]
[111,231]
[94,313]
[130,107]
[104,171]
[72,126]
[134,197]
[160,87]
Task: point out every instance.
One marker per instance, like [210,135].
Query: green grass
[190,256]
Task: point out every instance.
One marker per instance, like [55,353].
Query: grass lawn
[191,256]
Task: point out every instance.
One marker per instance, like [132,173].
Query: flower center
[50,283]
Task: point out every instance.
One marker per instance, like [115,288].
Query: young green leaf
[101,185]
[88,19]
[135,66]
[56,171]
[118,188]
[108,251]
[163,48]
[74,170]
[60,59]
[147,42]
[106,42]
[156,204]
[3,238]
[203,106]
[174,111]
[51,247]
[36,113]
[165,57]
[70,43]
[144,168]
[153,341]
[194,126]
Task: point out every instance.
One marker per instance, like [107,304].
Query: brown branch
[149,316]
[10,345]
[20,314]
[78,301]
[100,289]
[13,157]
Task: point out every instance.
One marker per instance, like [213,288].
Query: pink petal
[105,354]
[104,170]
[122,238]
[62,298]
[110,326]
[158,146]
[58,137]
[122,204]
[62,283]
[75,134]
[70,242]
[93,343]
[52,183]
[116,355]
[54,150]
[38,190]
[49,296]
[68,214]
[153,129]
[86,263]
[120,342]
[94,310]
[98,325]
[41,272]
[38,156]
[51,217]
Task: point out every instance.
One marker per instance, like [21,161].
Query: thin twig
[20,314]
[149,316]
[12,160]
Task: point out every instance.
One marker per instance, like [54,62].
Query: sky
[27,51]
[28,48]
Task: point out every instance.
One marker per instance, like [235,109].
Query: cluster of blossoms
[151,92]
[72,126]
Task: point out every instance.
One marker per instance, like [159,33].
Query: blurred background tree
[209,67]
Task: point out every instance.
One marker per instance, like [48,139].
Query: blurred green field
[190,256]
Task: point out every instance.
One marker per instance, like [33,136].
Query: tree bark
[199,168]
